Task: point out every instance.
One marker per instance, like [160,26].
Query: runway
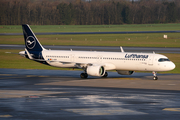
[100,48]
[74,33]
[58,94]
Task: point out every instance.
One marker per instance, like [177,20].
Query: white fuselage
[110,60]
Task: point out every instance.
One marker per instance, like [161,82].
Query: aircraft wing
[107,66]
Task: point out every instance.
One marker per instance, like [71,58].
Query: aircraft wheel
[84,75]
[155,78]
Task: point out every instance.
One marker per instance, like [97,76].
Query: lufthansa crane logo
[30,42]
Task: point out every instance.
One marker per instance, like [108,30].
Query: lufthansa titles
[136,56]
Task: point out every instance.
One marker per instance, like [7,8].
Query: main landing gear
[84,75]
[154,76]
[105,75]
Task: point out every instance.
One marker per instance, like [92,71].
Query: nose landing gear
[154,76]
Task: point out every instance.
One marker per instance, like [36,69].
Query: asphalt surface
[100,48]
[72,33]
[58,94]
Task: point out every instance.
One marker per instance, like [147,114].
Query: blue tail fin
[31,42]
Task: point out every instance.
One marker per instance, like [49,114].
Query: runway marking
[80,80]
[7,74]
[36,76]
[24,93]
[10,77]
[5,116]
[171,84]
[128,78]
[31,75]
[172,109]
[43,76]
[104,111]
[26,75]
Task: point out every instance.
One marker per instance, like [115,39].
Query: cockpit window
[163,59]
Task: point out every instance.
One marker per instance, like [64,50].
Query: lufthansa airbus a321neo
[94,63]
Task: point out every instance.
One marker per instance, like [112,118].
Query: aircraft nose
[172,66]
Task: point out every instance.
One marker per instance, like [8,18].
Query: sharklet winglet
[121,49]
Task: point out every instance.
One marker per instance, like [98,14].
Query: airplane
[94,63]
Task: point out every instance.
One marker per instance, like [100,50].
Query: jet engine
[122,72]
[95,70]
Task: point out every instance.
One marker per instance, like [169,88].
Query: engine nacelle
[122,72]
[95,70]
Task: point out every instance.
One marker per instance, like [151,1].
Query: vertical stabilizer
[31,42]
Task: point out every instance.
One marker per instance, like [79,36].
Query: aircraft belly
[58,64]
[127,65]
[135,65]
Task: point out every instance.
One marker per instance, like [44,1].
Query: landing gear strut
[154,76]
[84,75]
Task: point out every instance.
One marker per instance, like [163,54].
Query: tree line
[92,12]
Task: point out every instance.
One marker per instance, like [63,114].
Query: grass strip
[91,28]
[138,40]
